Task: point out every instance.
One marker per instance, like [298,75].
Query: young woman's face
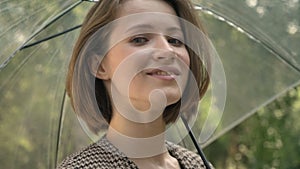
[147,53]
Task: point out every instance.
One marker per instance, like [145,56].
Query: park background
[257,40]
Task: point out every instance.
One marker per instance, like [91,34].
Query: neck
[137,140]
[137,130]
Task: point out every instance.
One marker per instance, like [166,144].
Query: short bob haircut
[101,14]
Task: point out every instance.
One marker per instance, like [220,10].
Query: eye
[175,42]
[139,40]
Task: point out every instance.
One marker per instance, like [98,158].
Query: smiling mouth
[164,73]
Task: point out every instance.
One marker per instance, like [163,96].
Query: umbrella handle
[200,152]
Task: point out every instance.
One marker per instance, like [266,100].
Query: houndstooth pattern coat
[104,155]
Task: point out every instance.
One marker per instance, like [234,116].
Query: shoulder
[101,155]
[188,159]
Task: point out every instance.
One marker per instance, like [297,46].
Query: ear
[97,68]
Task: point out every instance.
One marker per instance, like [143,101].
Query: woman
[131,66]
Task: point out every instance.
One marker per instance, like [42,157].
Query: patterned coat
[104,155]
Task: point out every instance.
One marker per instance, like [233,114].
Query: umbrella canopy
[258,44]
[257,41]
[34,79]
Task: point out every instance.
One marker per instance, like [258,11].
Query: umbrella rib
[55,35]
[60,126]
[239,121]
[91,0]
[252,36]
[50,37]
[54,20]
[3,65]
[205,161]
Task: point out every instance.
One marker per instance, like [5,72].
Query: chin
[173,98]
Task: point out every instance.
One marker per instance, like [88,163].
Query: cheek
[187,60]
[184,56]
[115,58]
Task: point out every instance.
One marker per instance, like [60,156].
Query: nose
[164,50]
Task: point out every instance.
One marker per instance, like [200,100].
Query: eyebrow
[150,27]
[138,27]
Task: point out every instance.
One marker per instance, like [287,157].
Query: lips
[166,73]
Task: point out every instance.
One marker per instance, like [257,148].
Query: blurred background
[258,42]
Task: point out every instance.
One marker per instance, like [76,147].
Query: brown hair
[79,78]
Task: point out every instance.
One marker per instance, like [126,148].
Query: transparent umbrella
[257,41]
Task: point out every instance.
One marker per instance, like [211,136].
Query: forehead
[136,6]
[145,16]
[145,23]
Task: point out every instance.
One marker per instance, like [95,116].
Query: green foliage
[268,139]
[32,85]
